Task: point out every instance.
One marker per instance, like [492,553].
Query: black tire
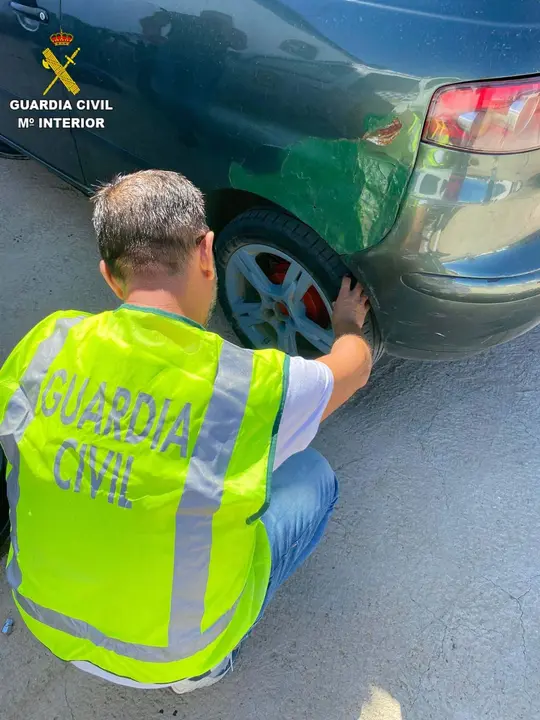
[4,510]
[278,229]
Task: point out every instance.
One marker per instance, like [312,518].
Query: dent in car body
[344,190]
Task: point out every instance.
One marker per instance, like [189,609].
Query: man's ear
[115,286]
[206,254]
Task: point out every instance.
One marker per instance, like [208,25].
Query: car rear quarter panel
[348,184]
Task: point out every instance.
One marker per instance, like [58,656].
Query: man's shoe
[207,680]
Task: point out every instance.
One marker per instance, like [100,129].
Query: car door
[25,30]
[158,66]
[197,85]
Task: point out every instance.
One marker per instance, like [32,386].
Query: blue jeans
[303,494]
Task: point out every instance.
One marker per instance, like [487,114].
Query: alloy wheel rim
[276,302]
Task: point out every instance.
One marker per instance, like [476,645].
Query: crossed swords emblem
[51,62]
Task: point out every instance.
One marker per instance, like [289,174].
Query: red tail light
[494,117]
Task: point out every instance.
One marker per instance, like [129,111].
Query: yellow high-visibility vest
[140,449]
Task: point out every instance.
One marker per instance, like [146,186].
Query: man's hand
[350,309]
[350,359]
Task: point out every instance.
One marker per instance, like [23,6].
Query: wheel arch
[226,204]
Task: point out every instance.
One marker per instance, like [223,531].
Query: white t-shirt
[309,390]
[310,385]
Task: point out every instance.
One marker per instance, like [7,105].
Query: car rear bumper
[460,270]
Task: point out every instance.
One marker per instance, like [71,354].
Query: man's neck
[161,299]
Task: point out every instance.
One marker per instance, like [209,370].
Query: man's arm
[350,359]
[318,387]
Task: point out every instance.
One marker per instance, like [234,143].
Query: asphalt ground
[422,601]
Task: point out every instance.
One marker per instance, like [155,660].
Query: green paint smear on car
[348,191]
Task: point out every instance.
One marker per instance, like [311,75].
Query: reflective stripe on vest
[193,534]
[19,414]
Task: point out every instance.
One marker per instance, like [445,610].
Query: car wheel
[277,281]
[4,511]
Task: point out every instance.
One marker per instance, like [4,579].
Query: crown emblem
[61,38]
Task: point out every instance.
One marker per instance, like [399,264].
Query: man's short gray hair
[148,222]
